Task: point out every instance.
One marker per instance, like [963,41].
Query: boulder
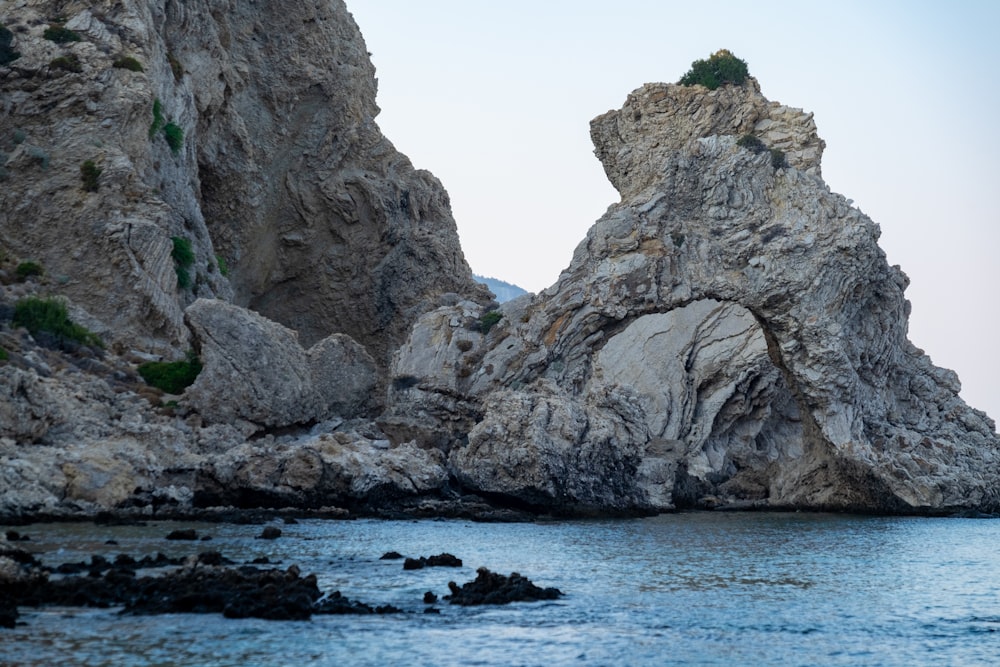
[255,370]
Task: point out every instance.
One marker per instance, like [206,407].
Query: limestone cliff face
[729,333]
[282,176]
[326,227]
[294,205]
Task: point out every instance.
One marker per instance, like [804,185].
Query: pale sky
[495,98]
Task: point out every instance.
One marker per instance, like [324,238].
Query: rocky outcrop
[730,333]
[277,175]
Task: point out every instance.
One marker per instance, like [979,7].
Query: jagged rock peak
[661,121]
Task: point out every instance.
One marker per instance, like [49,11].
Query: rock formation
[128,129]
[209,176]
[728,334]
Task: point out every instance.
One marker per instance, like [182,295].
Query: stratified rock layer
[730,333]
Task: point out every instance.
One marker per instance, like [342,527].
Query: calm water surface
[691,589]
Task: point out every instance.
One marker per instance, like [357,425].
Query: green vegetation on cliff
[172,377]
[48,317]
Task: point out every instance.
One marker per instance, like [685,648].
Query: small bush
[7,54]
[174,135]
[487,321]
[172,377]
[752,144]
[183,256]
[69,62]
[778,160]
[223,266]
[90,174]
[49,316]
[158,119]
[60,35]
[722,67]
[3,354]
[127,62]
[26,270]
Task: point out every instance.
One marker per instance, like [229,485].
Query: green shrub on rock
[183,256]
[127,62]
[49,316]
[174,136]
[60,35]
[752,144]
[69,62]
[158,119]
[722,67]
[778,160]
[488,320]
[90,174]
[26,270]
[172,377]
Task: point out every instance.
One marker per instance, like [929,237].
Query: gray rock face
[282,176]
[293,203]
[326,227]
[255,370]
[730,333]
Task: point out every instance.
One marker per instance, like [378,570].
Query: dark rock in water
[14,536]
[236,593]
[112,543]
[290,520]
[261,560]
[213,558]
[492,588]
[391,555]
[8,614]
[270,533]
[430,597]
[432,610]
[335,603]
[183,534]
[441,560]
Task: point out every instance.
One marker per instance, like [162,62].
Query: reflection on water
[699,588]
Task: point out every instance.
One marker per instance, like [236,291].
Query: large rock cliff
[208,175]
[728,334]
[281,178]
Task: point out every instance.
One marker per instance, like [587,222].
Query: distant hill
[504,291]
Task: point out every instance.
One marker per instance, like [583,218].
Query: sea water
[679,589]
